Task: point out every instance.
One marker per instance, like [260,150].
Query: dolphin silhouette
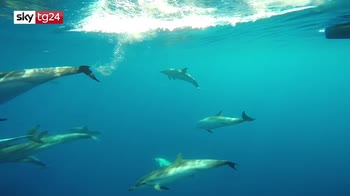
[23,152]
[180,74]
[179,169]
[14,83]
[217,121]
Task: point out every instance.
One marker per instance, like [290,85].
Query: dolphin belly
[12,89]
[173,175]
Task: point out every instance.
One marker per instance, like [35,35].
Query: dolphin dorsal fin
[184,70]
[219,113]
[179,158]
[33,130]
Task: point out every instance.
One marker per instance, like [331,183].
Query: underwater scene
[175,97]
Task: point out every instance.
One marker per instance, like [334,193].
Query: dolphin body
[181,75]
[218,121]
[23,152]
[179,169]
[14,83]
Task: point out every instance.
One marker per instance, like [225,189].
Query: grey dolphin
[217,121]
[181,75]
[14,83]
[179,169]
[23,152]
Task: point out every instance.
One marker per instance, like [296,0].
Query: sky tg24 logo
[38,17]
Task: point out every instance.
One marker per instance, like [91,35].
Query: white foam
[137,20]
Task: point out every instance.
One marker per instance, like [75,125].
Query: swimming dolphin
[162,162]
[217,121]
[16,82]
[180,168]
[181,75]
[23,152]
[3,119]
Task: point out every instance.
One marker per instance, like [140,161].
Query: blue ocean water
[274,63]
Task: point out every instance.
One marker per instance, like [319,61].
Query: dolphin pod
[23,148]
[179,169]
[25,151]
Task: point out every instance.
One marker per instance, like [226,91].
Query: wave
[142,18]
[139,20]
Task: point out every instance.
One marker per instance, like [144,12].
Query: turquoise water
[279,69]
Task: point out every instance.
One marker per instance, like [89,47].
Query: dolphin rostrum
[179,169]
[14,83]
[23,152]
[217,121]
[181,75]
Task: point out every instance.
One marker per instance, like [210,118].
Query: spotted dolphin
[181,75]
[179,169]
[14,83]
[24,152]
[218,121]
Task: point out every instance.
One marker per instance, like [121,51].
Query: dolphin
[3,119]
[14,83]
[217,121]
[23,152]
[181,75]
[162,162]
[179,169]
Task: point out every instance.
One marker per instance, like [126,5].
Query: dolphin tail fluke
[86,70]
[246,118]
[231,164]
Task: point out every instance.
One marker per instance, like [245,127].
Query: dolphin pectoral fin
[34,160]
[210,131]
[157,187]
[246,118]
[87,71]
[3,119]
